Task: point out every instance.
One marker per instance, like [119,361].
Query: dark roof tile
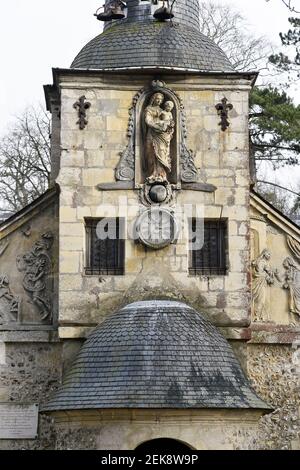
[152,44]
[190,365]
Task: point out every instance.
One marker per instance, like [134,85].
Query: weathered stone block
[72,230]
[216,283]
[235,281]
[94,158]
[67,214]
[93,176]
[71,243]
[116,124]
[73,158]
[70,262]
[70,176]
[70,282]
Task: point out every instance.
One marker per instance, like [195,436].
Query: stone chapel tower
[153,139]
[151,290]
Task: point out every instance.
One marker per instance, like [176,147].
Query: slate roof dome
[155,354]
[140,42]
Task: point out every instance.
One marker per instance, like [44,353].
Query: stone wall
[30,351]
[274,371]
[29,267]
[90,156]
[30,371]
[127,429]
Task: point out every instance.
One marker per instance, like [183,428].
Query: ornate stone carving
[37,265]
[294,246]
[26,231]
[189,172]
[263,275]
[160,131]
[160,127]
[125,168]
[82,105]
[292,283]
[157,194]
[9,304]
[223,109]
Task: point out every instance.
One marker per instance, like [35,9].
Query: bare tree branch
[290,5]
[278,186]
[25,160]
[228,29]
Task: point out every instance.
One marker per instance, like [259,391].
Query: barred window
[105,246]
[210,259]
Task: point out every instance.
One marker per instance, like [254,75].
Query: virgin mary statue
[159,133]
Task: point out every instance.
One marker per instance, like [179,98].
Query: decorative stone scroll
[126,165]
[37,265]
[9,303]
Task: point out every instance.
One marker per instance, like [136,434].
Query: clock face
[156,228]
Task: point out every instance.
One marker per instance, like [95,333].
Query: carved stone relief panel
[156,157]
[159,129]
[37,266]
[263,276]
[292,275]
[292,283]
[9,303]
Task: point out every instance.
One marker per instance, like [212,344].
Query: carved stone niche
[146,138]
[157,126]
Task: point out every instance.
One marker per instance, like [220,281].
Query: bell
[117,13]
[113,11]
[104,15]
[163,14]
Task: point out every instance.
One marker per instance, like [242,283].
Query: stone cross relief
[264,275]
[223,108]
[82,106]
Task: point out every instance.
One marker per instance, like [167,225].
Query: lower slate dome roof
[155,354]
[152,44]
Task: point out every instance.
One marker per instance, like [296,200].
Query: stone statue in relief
[263,275]
[36,265]
[292,282]
[9,304]
[160,127]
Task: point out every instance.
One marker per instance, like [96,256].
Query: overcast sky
[37,35]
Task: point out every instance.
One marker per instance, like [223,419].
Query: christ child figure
[166,117]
